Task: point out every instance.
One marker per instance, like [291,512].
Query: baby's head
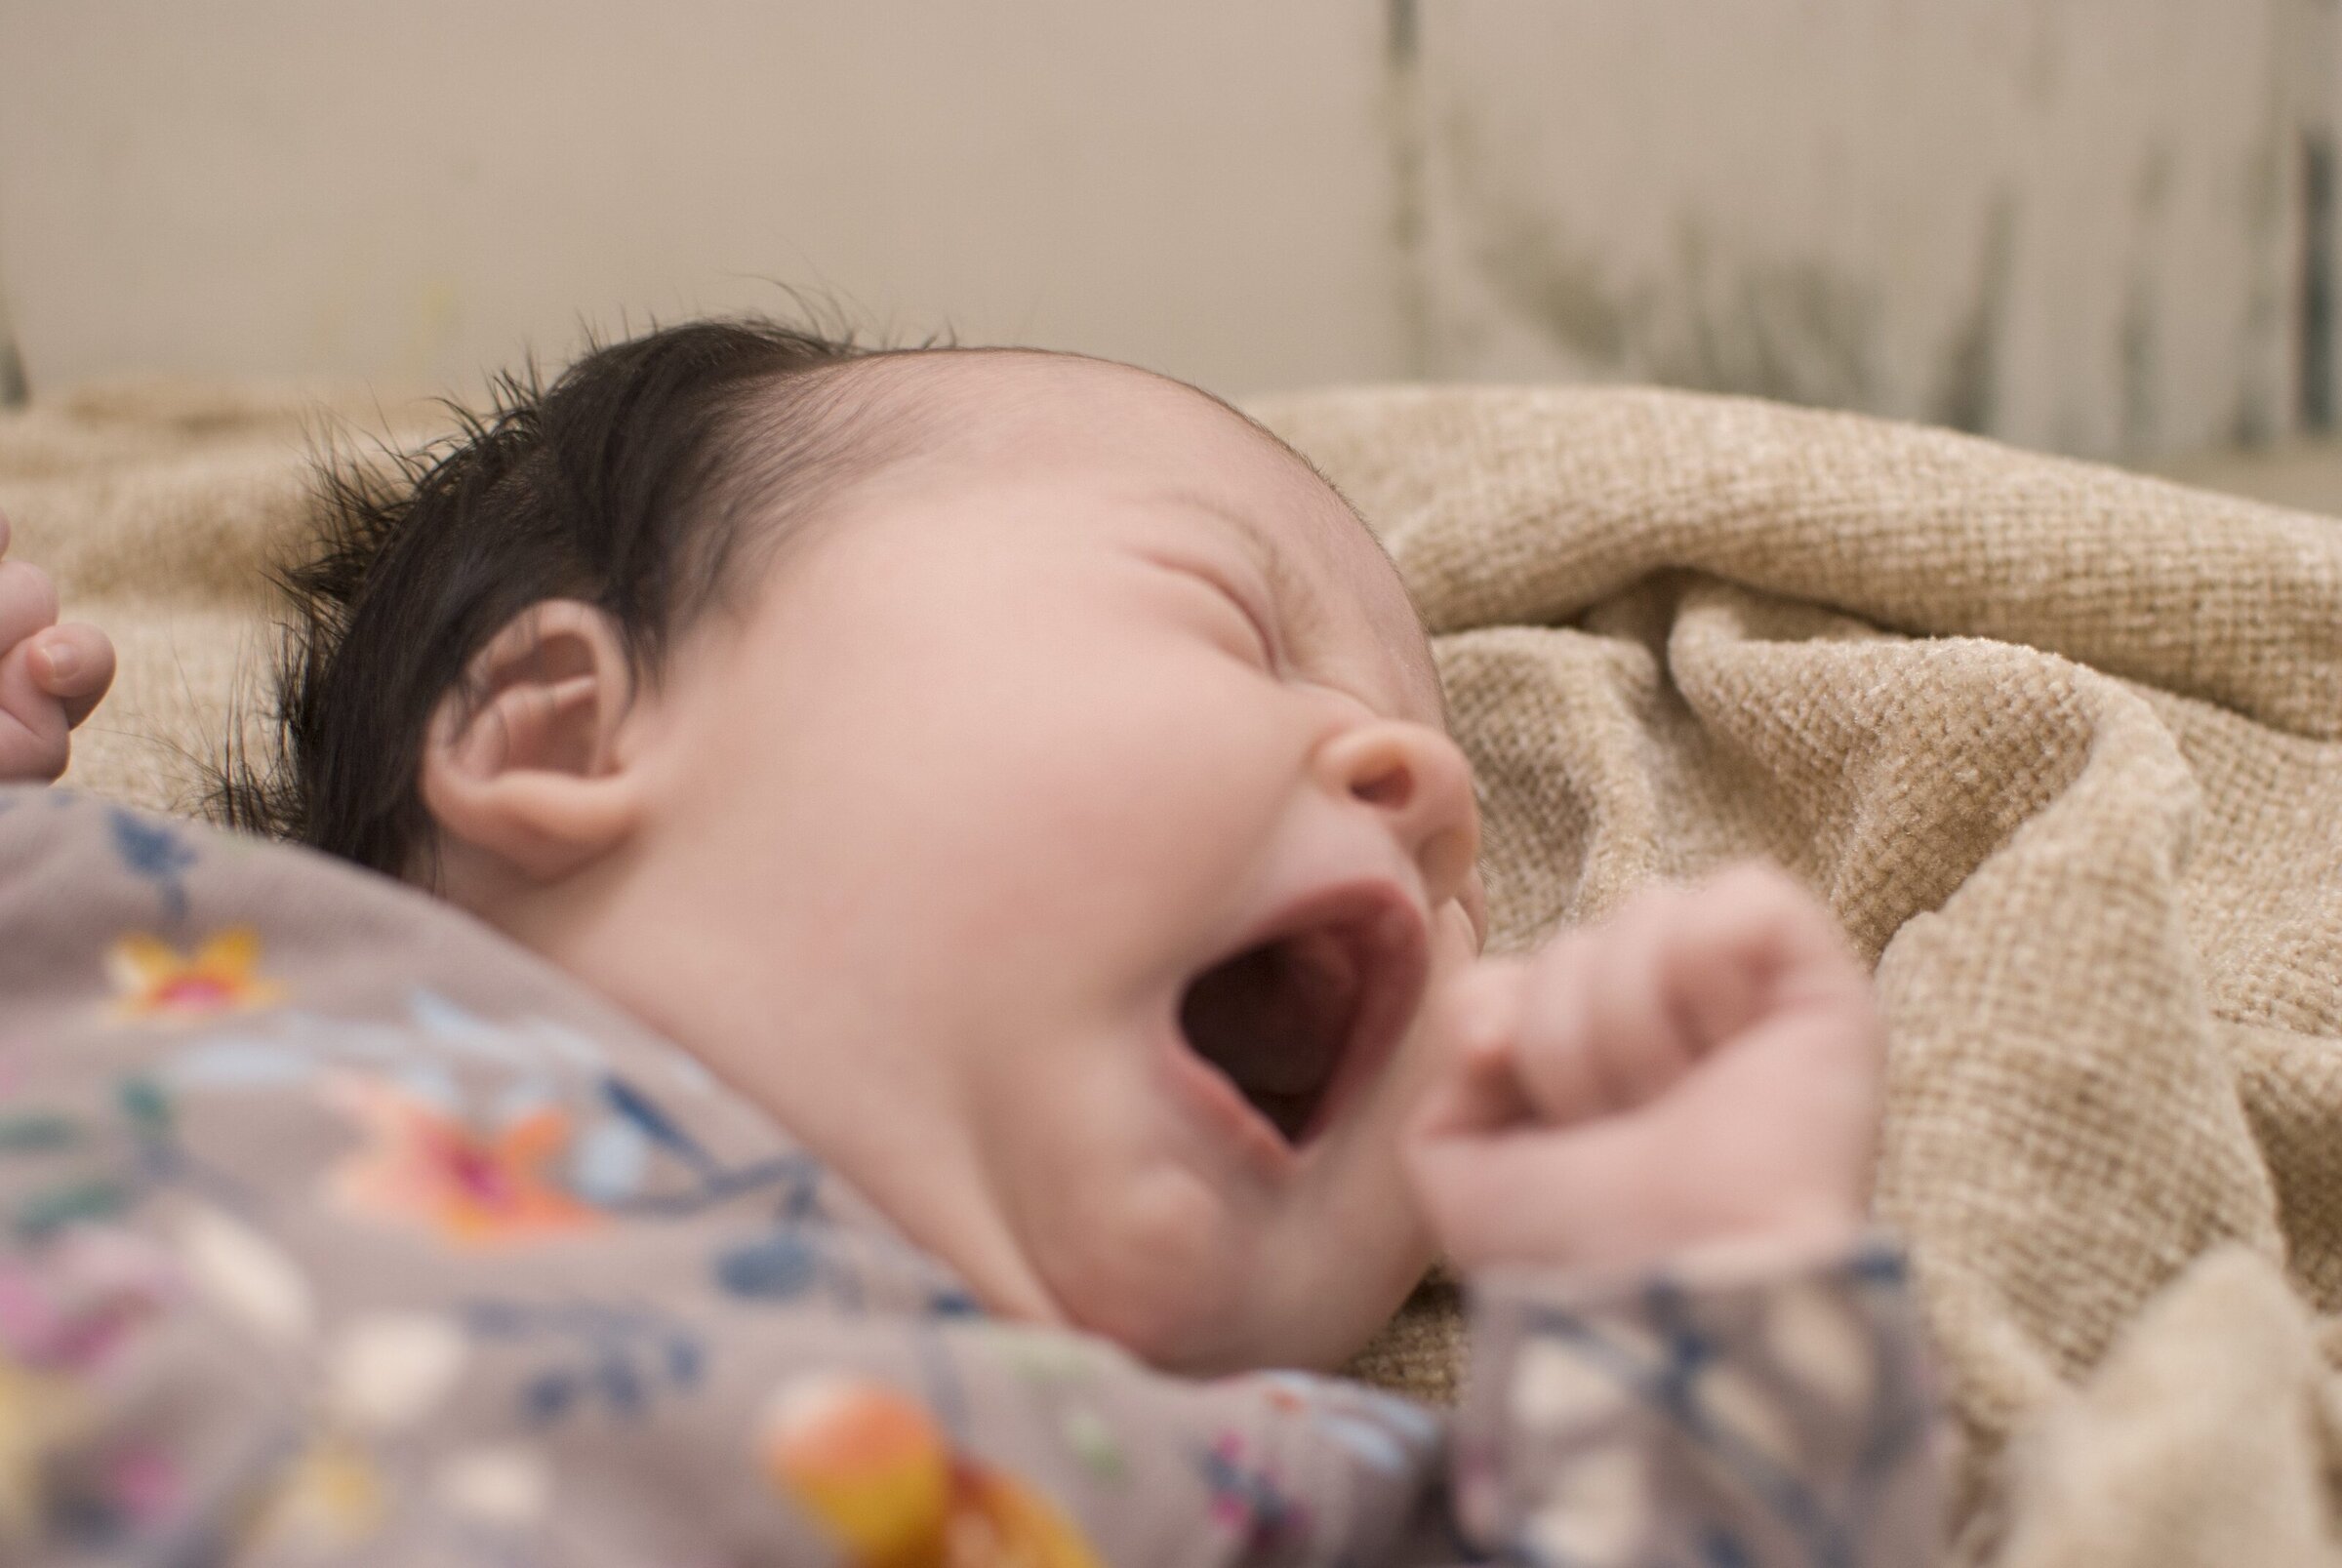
[1020,774]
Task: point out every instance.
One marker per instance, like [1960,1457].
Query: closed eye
[1254,624]
[1240,611]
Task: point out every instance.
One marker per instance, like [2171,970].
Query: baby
[1024,782]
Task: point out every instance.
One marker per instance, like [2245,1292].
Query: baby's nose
[1418,780]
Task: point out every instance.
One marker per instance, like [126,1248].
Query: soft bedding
[2062,747]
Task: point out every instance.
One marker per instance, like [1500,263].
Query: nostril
[1390,786]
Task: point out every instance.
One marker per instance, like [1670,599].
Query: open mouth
[1298,1018]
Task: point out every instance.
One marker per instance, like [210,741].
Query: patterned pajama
[336,1228]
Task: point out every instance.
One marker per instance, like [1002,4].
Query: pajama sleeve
[1747,1409]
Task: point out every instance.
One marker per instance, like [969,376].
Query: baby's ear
[523,763]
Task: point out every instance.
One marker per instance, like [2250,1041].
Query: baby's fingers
[1479,1093]
[33,740]
[1601,1194]
[74,664]
[27,602]
[1622,1014]
[1757,944]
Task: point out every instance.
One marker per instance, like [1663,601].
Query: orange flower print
[328,1501]
[871,1467]
[426,1167]
[156,982]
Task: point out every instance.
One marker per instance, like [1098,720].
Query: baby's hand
[1703,1068]
[49,676]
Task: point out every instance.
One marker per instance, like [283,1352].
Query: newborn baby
[1026,782]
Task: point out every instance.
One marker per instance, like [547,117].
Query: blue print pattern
[1775,1421]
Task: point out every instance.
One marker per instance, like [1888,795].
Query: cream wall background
[2096,226]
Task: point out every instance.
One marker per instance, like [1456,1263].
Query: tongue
[1274,1019]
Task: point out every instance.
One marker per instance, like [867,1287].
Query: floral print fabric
[332,1228]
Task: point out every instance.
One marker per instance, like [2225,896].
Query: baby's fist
[1702,1069]
[51,676]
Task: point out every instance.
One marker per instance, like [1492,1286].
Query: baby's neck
[884,1122]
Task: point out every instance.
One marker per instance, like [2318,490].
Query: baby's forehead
[1160,444]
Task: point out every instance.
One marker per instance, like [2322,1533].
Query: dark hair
[633,482]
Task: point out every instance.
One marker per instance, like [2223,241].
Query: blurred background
[2106,228]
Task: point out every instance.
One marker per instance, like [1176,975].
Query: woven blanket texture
[2061,745]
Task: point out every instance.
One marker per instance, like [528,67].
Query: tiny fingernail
[62,661]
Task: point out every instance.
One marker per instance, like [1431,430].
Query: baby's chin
[1245,1335]
[1223,1298]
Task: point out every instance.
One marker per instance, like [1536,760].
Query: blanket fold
[2061,745]
[2063,749]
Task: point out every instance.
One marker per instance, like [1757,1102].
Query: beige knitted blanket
[2062,746]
